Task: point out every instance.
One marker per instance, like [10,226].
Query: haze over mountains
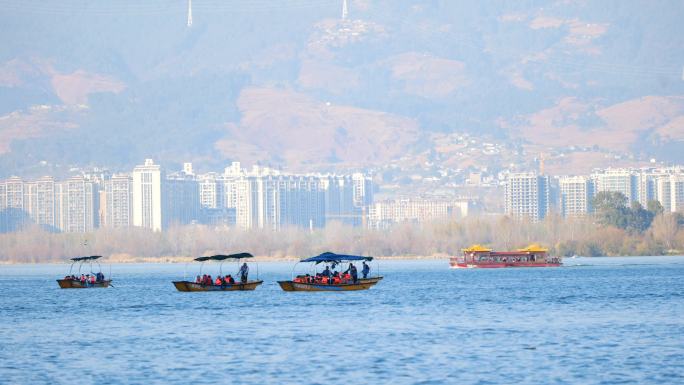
[292,84]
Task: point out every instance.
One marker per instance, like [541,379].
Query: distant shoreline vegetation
[614,230]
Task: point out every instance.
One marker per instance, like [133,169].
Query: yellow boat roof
[476,248]
[534,248]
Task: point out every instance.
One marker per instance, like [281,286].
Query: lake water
[593,321]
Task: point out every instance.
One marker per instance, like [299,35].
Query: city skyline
[150,196]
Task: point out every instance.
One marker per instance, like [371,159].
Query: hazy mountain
[290,83]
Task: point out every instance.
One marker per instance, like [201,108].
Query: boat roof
[221,257]
[332,257]
[534,248]
[476,248]
[76,259]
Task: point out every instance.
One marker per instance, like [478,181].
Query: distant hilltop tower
[345,10]
[189,13]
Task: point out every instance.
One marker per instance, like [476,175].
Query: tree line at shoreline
[615,229]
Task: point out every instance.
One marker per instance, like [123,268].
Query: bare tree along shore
[588,236]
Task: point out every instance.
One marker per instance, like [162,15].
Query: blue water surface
[593,321]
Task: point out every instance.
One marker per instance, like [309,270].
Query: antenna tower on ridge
[189,13]
[345,10]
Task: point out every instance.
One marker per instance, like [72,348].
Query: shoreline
[178,260]
[125,259]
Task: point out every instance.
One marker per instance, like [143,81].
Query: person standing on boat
[353,272]
[365,270]
[244,272]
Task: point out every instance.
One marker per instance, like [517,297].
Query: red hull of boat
[457,265]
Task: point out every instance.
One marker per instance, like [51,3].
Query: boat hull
[362,284]
[76,284]
[192,286]
[459,265]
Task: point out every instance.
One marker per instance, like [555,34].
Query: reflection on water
[594,321]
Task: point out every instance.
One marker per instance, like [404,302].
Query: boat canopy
[476,249]
[86,258]
[534,248]
[222,257]
[332,257]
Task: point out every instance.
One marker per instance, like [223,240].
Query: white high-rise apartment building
[75,205]
[670,192]
[117,201]
[363,189]
[247,201]
[301,201]
[13,209]
[387,213]
[677,193]
[618,180]
[147,196]
[339,200]
[646,186]
[211,193]
[180,199]
[527,196]
[40,201]
[277,201]
[576,194]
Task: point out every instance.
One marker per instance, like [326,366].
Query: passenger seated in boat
[198,279]
[230,279]
[219,281]
[326,272]
[83,278]
[92,279]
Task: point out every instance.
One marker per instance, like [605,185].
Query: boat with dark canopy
[224,284]
[84,281]
[330,282]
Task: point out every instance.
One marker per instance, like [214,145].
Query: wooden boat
[74,281]
[481,257]
[192,286]
[77,284]
[224,286]
[361,284]
[316,282]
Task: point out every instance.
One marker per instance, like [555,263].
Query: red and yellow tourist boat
[227,283]
[84,281]
[481,257]
[330,281]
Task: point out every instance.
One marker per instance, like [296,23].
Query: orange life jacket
[218,282]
